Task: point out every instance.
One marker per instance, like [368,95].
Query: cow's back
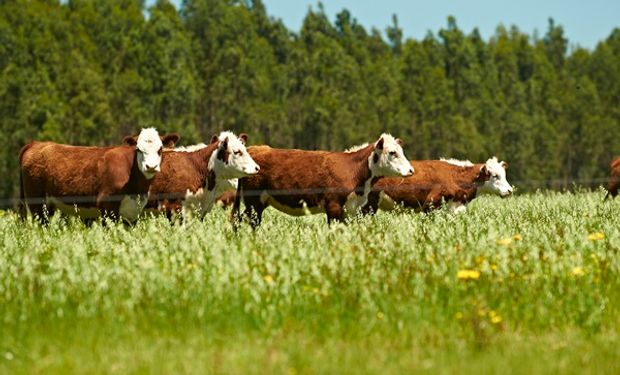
[290,169]
[432,181]
[70,170]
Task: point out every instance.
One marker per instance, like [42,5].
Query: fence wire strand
[563,184]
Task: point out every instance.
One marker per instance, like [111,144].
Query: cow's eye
[238,153]
[393,154]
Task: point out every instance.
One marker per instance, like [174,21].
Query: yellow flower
[268,278]
[495,317]
[516,237]
[380,315]
[596,236]
[493,267]
[578,271]
[468,274]
[458,315]
[504,241]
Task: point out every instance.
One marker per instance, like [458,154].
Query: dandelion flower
[517,237]
[578,271]
[458,315]
[495,319]
[268,278]
[504,241]
[597,236]
[468,274]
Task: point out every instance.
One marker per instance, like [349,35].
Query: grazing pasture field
[526,284]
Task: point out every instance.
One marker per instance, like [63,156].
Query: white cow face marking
[149,147]
[388,158]
[231,159]
[497,182]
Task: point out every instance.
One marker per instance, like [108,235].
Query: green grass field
[529,284]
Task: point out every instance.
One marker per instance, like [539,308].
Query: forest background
[91,72]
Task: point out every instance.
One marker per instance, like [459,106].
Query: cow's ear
[130,140]
[214,139]
[379,144]
[170,139]
[222,150]
[224,144]
[243,138]
[400,142]
[504,165]
[484,173]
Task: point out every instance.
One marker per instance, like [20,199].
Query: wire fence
[91,200]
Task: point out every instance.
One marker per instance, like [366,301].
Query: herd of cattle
[146,173]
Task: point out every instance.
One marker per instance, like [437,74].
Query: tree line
[91,71]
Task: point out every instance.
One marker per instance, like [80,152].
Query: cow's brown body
[614,177]
[298,181]
[86,177]
[181,172]
[433,182]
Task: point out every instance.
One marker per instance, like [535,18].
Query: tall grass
[533,276]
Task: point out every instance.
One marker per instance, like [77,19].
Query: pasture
[526,284]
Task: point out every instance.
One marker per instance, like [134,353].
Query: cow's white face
[149,148]
[388,158]
[497,182]
[231,159]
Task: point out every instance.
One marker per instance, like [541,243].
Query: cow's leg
[612,190]
[372,205]
[253,210]
[334,212]
[107,205]
[34,200]
[431,203]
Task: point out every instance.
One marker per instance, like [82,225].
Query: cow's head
[168,140]
[493,176]
[149,147]
[388,158]
[231,159]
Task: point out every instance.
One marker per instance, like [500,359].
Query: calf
[89,181]
[192,178]
[298,182]
[614,178]
[453,181]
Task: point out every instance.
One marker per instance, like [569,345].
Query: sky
[585,22]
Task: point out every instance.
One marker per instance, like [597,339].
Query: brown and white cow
[614,178]
[192,177]
[89,181]
[435,181]
[298,182]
